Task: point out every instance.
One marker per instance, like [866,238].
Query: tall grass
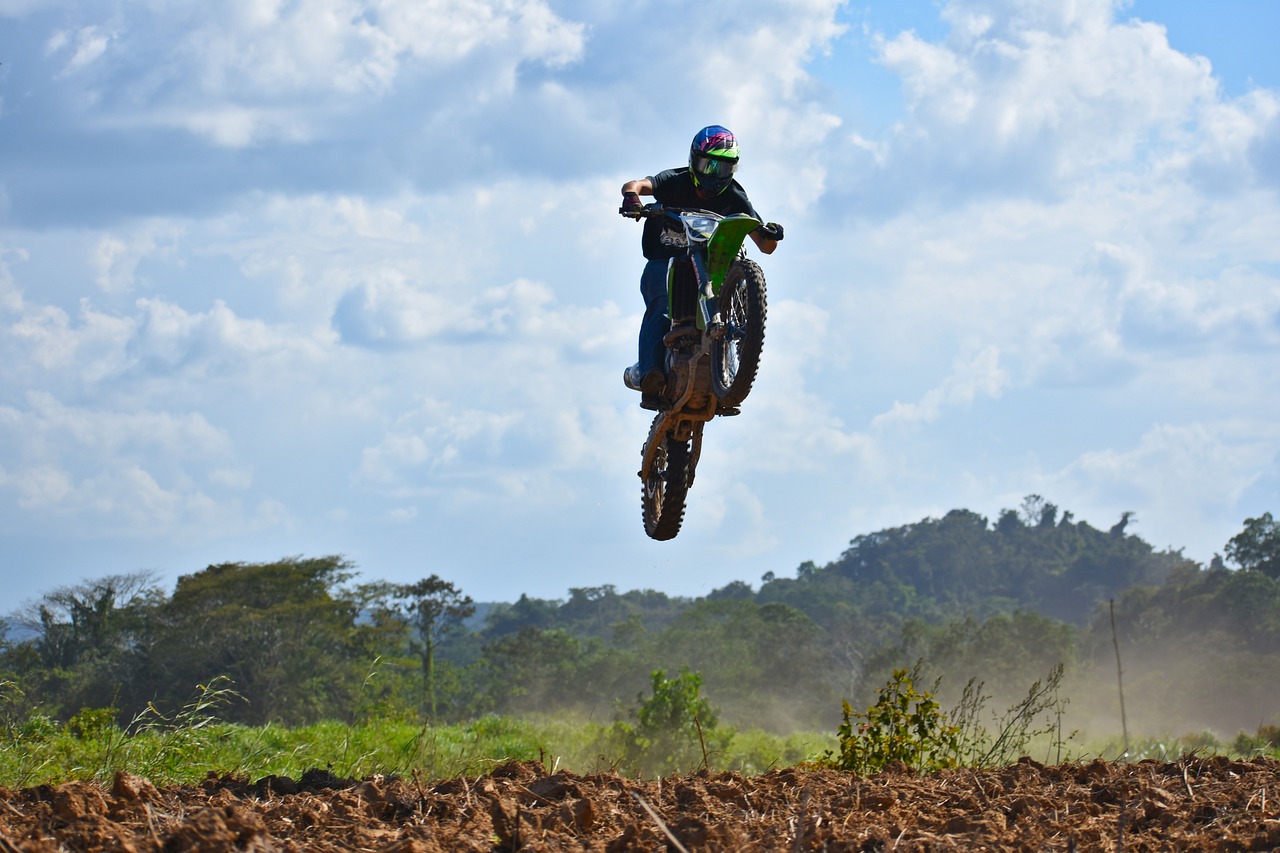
[186,747]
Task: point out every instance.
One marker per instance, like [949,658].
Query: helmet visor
[714,167]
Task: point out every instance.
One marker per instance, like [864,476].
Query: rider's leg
[656,323]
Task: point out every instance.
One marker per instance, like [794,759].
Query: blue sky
[346,276]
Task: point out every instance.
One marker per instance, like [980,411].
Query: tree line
[304,639]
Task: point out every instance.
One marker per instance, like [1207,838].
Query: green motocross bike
[716,301]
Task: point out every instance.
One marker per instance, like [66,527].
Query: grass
[186,747]
[184,752]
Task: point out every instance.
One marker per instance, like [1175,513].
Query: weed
[22,755]
[1037,717]
[674,727]
[167,747]
[904,724]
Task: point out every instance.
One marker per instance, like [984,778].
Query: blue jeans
[656,323]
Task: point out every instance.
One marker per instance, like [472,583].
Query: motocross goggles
[714,167]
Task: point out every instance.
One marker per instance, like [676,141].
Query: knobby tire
[664,492]
[735,358]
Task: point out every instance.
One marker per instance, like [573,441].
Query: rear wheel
[736,356]
[666,487]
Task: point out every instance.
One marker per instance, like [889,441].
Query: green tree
[287,634]
[531,668]
[675,728]
[767,664]
[434,607]
[1257,547]
[89,639]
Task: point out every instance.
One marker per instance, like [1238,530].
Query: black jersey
[674,188]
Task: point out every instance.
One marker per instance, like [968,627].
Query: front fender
[724,245]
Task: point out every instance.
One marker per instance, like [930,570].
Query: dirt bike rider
[707,184]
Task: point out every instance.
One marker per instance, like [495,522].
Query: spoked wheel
[666,486]
[736,356]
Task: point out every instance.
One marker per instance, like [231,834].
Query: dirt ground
[1192,804]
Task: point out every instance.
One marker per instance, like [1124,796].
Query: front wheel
[735,357]
[666,487]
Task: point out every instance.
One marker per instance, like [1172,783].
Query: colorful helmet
[713,158]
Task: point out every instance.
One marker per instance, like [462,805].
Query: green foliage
[1036,561]
[755,658]
[904,724]
[1002,602]
[675,728]
[93,723]
[88,642]
[909,725]
[435,607]
[286,633]
[11,697]
[1257,547]
[1266,741]
[170,744]
[38,751]
[1005,652]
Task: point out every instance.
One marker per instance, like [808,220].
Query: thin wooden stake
[1115,641]
[706,765]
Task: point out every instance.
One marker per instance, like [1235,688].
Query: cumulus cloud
[978,374]
[1180,474]
[81,47]
[10,294]
[314,269]
[1030,99]
[134,473]
[241,75]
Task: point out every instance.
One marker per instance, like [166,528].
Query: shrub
[904,725]
[674,729]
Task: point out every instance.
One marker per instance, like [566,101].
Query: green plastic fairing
[723,247]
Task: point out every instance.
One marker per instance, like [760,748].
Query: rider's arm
[766,245]
[641,186]
[631,204]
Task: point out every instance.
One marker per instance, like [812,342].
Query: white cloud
[86,45]
[10,294]
[260,72]
[350,265]
[977,374]
[1030,98]
[105,434]
[116,257]
[1181,475]
[133,474]
[431,440]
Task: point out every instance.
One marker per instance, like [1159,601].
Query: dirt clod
[1193,804]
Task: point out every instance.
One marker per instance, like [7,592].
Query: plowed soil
[1193,804]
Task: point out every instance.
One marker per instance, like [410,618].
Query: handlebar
[655,209]
[772,230]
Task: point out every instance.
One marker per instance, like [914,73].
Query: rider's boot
[650,382]
[650,385]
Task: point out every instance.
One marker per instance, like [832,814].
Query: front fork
[706,313]
[683,430]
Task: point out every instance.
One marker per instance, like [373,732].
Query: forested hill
[1035,560]
[304,639]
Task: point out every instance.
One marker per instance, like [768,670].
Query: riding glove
[772,230]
